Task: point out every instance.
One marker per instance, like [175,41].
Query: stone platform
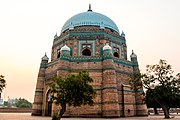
[27,116]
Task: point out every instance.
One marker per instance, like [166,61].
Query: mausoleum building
[91,41]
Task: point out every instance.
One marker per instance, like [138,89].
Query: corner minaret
[133,56]
[107,52]
[65,50]
[110,103]
[38,98]
[134,61]
[141,108]
[44,61]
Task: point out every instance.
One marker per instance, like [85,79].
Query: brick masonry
[114,96]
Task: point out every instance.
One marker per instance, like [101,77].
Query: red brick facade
[110,73]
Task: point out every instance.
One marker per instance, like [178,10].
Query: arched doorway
[116,54]
[86,52]
[48,103]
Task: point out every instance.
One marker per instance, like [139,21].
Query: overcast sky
[27,28]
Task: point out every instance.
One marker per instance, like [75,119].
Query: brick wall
[15,110]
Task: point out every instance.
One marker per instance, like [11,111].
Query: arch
[86,52]
[49,102]
[116,54]
[58,55]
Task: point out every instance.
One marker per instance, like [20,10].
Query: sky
[27,29]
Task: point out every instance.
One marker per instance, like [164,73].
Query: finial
[90,8]
[122,34]
[55,36]
[132,51]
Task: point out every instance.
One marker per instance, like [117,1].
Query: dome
[65,47]
[133,55]
[90,18]
[107,47]
[45,57]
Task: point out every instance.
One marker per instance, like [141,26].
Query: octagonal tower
[91,41]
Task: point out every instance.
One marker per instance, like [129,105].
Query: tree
[23,103]
[163,86]
[150,102]
[73,90]
[2,83]
[18,102]
[135,81]
[6,103]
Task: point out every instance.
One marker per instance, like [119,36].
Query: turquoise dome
[90,18]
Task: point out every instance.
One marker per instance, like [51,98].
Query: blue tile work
[97,59]
[90,18]
[80,42]
[91,34]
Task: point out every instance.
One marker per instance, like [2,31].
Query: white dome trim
[65,47]
[107,47]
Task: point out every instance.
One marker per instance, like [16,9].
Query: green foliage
[23,103]
[6,104]
[2,83]
[73,90]
[19,103]
[162,86]
[150,102]
[135,81]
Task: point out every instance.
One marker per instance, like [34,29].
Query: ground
[27,116]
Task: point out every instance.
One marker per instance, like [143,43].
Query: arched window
[116,54]
[86,52]
[58,53]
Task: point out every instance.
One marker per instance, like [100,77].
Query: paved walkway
[27,116]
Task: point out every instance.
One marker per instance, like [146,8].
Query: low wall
[15,110]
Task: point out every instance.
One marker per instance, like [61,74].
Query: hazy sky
[27,28]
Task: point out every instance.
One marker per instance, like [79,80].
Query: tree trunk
[168,109]
[166,113]
[155,111]
[165,109]
[62,111]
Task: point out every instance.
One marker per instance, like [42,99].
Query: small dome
[45,57]
[65,47]
[107,47]
[133,55]
[90,18]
